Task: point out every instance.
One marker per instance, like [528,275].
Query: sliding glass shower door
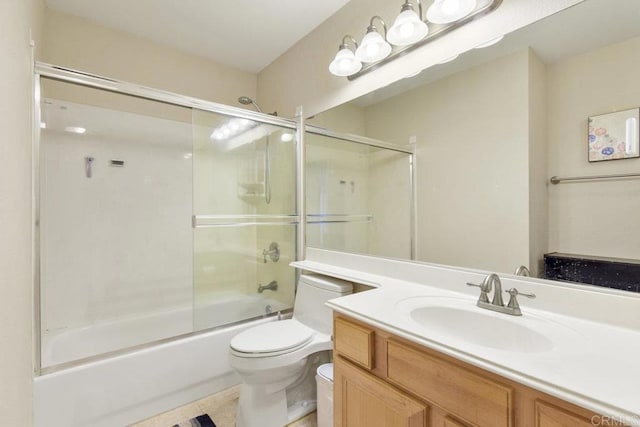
[244,218]
[359,197]
[115,187]
[156,220]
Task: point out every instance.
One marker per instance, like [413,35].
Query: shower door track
[112,85]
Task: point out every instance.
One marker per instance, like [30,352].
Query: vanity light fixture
[345,63]
[411,29]
[447,11]
[408,27]
[374,47]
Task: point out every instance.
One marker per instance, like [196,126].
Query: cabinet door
[362,400]
[548,415]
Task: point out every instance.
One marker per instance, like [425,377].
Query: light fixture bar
[436,31]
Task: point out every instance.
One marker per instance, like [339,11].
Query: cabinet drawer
[355,342]
[464,394]
[548,415]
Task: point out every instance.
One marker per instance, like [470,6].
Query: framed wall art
[614,136]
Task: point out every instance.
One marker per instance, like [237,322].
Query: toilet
[277,361]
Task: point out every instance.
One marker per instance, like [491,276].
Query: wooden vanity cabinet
[381,380]
[366,401]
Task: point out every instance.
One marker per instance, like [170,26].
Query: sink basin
[460,321]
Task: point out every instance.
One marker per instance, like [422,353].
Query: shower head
[245,100]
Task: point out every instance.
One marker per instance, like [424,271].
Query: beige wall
[17,18]
[592,218]
[538,196]
[347,118]
[301,77]
[77,43]
[472,156]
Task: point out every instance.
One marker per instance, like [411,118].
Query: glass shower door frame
[52,72]
[44,70]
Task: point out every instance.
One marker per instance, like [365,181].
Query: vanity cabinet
[382,380]
[363,400]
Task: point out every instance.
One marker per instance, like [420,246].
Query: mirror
[494,125]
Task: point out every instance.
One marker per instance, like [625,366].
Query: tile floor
[221,407]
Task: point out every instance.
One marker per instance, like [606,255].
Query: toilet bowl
[277,361]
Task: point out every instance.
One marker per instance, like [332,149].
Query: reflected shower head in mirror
[245,100]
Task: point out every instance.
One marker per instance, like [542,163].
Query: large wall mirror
[492,126]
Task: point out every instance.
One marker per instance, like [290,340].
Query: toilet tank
[313,291]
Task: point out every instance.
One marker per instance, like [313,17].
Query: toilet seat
[272,339]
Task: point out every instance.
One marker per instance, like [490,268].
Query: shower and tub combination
[177,236]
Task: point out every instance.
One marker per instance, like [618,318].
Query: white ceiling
[245,34]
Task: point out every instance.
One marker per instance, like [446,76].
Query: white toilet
[277,361]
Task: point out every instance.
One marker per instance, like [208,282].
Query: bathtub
[120,390]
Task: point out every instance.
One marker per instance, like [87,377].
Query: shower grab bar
[211,221]
[244,224]
[557,180]
[337,218]
[246,216]
[207,221]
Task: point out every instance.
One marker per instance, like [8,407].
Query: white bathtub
[123,389]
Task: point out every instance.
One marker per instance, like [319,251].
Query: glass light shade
[407,29]
[373,48]
[447,11]
[345,63]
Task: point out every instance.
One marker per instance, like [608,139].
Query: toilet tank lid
[327,283]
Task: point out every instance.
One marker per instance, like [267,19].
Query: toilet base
[262,406]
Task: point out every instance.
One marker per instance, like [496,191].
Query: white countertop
[588,362]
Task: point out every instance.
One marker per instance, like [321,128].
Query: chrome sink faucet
[522,271]
[497,303]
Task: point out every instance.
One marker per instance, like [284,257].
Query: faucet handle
[513,300]
[484,289]
[513,292]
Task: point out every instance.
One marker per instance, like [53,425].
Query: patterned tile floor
[221,407]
